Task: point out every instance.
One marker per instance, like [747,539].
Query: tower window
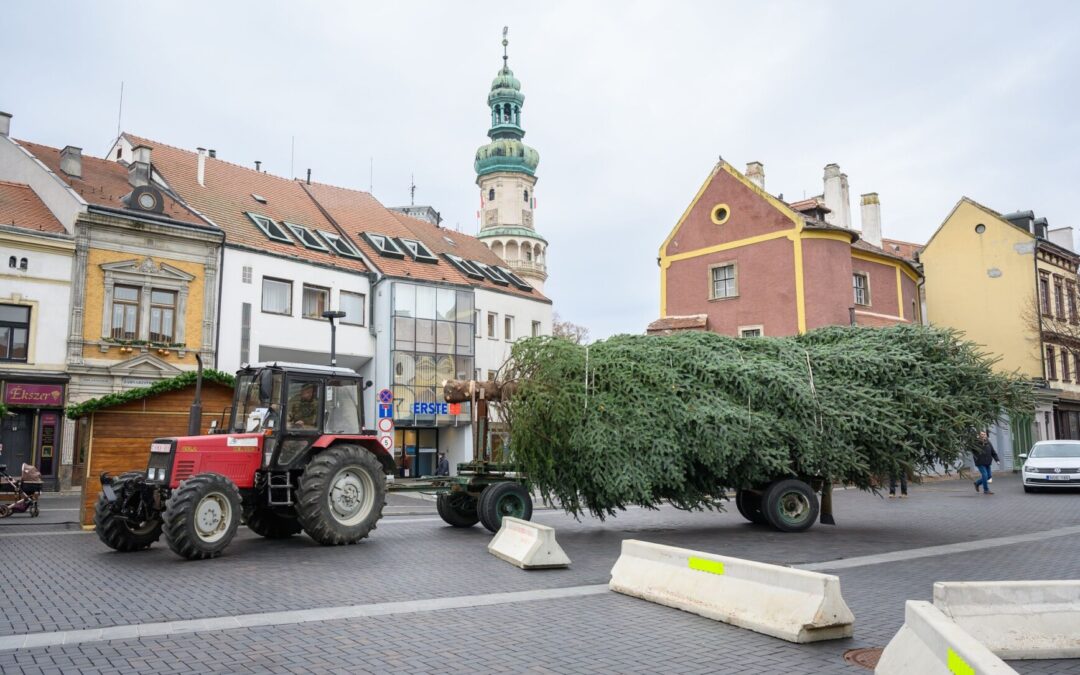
[491,195]
[12,262]
[526,196]
[23,264]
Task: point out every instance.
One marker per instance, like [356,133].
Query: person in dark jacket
[443,468]
[984,455]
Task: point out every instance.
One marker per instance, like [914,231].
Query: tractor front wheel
[117,532]
[457,509]
[504,499]
[201,516]
[266,522]
[341,495]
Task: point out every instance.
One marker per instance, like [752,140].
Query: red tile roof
[105,183]
[892,248]
[670,324]
[20,207]
[226,198]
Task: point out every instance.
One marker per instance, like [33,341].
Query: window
[245,274]
[1051,364]
[316,301]
[162,316]
[418,251]
[515,279]
[1044,294]
[1065,374]
[536,328]
[491,273]
[1070,288]
[340,245]
[476,322]
[306,236]
[861,283]
[491,375]
[12,262]
[508,328]
[245,332]
[23,264]
[125,312]
[302,409]
[720,214]
[469,269]
[270,228]
[493,323]
[258,198]
[491,195]
[1059,299]
[353,306]
[277,296]
[724,284]
[384,245]
[526,196]
[750,331]
[14,332]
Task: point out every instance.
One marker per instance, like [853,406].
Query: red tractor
[291,455]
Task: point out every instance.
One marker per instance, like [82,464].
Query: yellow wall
[962,294]
[95,298]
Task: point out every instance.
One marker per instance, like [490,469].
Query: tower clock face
[491,217]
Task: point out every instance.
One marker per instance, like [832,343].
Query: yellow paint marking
[958,665]
[728,245]
[704,565]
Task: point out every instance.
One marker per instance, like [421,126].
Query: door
[16,435]
[48,455]
[82,449]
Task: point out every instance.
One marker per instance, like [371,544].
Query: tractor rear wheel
[266,522]
[341,495]
[749,505]
[504,499]
[116,532]
[201,516]
[457,509]
[790,505]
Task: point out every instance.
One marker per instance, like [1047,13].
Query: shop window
[14,332]
[316,301]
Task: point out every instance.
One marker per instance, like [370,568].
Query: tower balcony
[528,268]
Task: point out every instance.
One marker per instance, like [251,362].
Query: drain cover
[867,657]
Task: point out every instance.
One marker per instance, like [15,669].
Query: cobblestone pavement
[71,581]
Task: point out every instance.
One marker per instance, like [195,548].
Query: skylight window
[306,236]
[467,268]
[515,279]
[384,245]
[492,273]
[418,251]
[258,198]
[271,229]
[341,245]
[449,241]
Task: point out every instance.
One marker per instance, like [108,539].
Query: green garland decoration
[686,418]
[171,384]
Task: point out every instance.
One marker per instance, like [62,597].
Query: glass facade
[432,338]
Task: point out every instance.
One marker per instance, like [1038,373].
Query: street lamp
[331,315]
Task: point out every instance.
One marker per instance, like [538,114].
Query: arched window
[23,264]
[526,195]
[528,253]
[517,115]
[12,262]
[506,112]
[491,195]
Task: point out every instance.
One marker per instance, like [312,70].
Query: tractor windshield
[342,407]
[254,411]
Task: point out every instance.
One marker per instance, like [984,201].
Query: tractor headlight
[266,457]
[161,474]
[150,474]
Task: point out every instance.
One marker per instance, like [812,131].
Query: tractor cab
[294,406]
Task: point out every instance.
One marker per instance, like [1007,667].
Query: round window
[720,214]
[980,228]
[147,201]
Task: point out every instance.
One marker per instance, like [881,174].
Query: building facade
[743,262]
[506,175]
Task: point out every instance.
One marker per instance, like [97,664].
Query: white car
[1052,464]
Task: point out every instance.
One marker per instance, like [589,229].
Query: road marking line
[289,617]
[945,549]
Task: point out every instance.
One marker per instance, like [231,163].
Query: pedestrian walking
[984,455]
[902,474]
[444,465]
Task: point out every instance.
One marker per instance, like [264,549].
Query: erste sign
[436,408]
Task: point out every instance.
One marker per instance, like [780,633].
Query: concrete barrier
[930,642]
[790,604]
[528,545]
[1016,619]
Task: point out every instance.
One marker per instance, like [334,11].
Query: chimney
[871,219]
[755,171]
[213,153]
[139,169]
[5,123]
[1063,237]
[845,202]
[200,173]
[257,164]
[71,161]
[309,176]
[834,195]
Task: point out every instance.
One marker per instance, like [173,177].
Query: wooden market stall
[117,429]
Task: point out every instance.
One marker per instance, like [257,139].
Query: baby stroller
[26,490]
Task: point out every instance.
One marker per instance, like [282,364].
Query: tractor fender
[369,443]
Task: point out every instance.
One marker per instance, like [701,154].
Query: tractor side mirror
[367,384]
[266,385]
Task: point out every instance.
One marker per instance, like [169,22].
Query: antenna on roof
[412,189]
[120,112]
[506,42]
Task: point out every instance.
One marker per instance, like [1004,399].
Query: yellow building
[1009,283]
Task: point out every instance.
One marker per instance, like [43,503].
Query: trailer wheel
[201,516]
[458,509]
[117,533]
[341,495]
[749,505]
[790,505]
[268,523]
[503,499]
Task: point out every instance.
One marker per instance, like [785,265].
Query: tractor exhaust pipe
[330,316]
[195,413]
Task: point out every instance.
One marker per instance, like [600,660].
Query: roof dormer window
[271,229]
[305,235]
[515,279]
[341,245]
[384,245]
[492,273]
[418,251]
[467,268]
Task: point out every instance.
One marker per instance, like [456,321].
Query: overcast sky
[628,103]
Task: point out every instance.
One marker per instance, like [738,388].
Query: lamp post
[331,315]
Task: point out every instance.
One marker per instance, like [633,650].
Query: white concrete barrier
[790,604]
[1016,619]
[929,643]
[527,545]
